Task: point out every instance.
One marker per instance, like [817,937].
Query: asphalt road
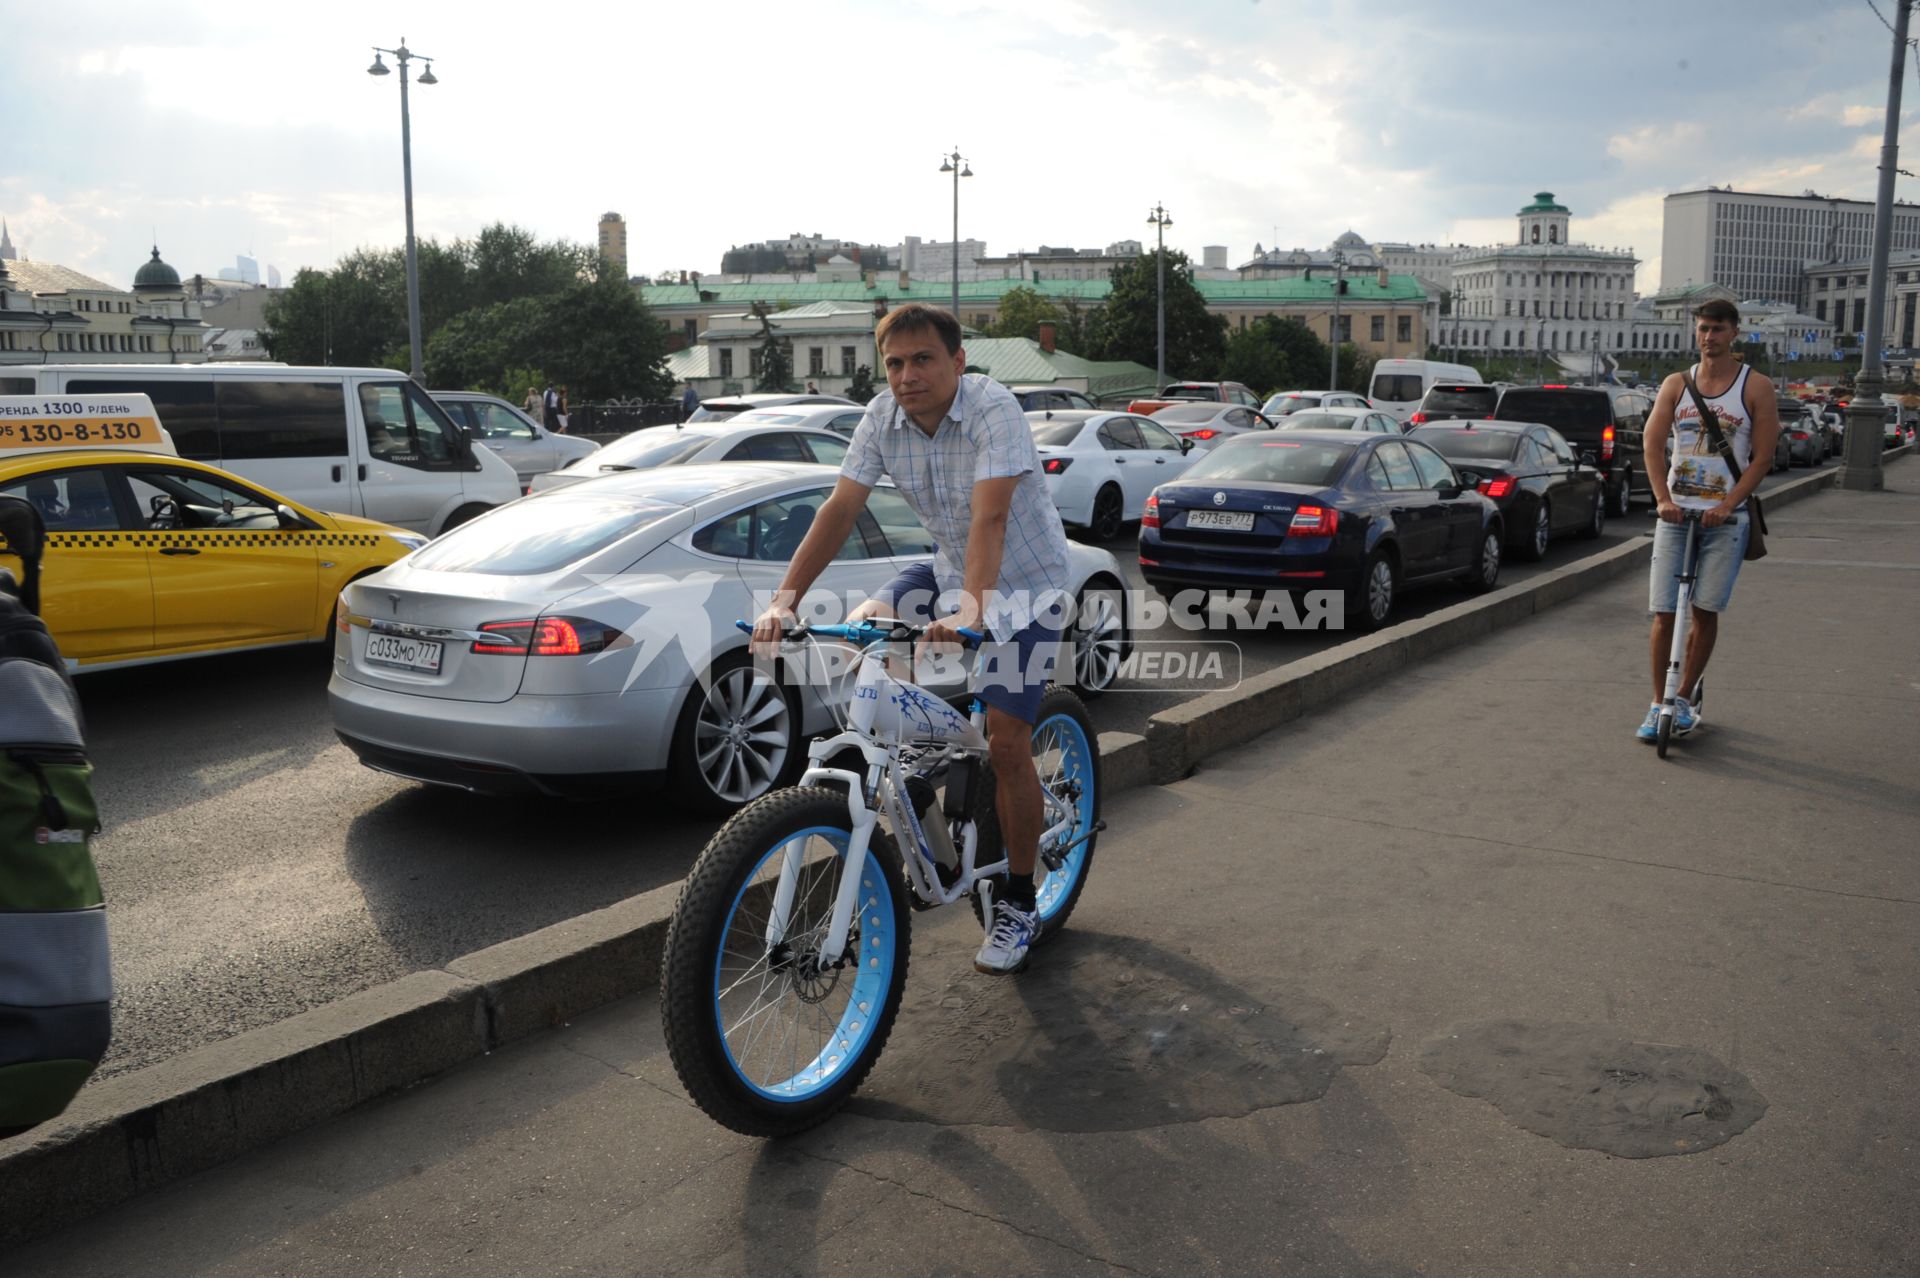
[254,869]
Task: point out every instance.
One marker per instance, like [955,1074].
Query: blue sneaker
[1005,950]
[1685,717]
[1649,729]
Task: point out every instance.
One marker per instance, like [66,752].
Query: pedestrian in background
[689,402]
[565,411]
[550,408]
[532,402]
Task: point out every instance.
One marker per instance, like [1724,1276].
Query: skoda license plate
[1236,520]
[413,654]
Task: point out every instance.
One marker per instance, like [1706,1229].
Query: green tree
[862,390]
[1274,354]
[1356,368]
[1072,335]
[1124,326]
[357,312]
[1022,311]
[597,338]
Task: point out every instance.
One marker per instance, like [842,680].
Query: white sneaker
[1005,949]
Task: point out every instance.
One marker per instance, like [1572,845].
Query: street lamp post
[1339,277]
[1159,220]
[959,167]
[404,55]
[1867,415]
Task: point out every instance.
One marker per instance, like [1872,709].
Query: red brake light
[1056,465]
[1314,521]
[1553,386]
[545,637]
[1203,433]
[1418,419]
[1799,434]
[1497,488]
[1606,444]
[1150,515]
[340,622]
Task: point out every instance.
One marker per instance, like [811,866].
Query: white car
[1370,420]
[838,418]
[1210,424]
[552,646]
[524,444]
[1101,467]
[1284,403]
[722,407]
[729,440]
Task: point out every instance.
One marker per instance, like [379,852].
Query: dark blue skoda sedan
[1321,510]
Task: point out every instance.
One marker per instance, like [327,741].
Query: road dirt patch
[1107,1033]
[1587,1087]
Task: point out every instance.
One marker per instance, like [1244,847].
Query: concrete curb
[136,1132]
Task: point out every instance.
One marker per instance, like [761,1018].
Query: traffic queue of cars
[579,639]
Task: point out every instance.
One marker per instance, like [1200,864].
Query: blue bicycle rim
[853,1031]
[1076,764]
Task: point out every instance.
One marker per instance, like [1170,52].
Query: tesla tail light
[1150,516]
[1056,465]
[1314,521]
[545,637]
[1203,433]
[1497,488]
[1606,444]
[1418,419]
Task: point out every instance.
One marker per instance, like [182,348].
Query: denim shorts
[1721,551]
[1013,675]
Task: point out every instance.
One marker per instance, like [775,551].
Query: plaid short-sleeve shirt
[983,436]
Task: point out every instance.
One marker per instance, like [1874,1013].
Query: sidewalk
[1260,1048]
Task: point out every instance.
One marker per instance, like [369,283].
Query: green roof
[1217,292]
[1018,361]
[1543,203]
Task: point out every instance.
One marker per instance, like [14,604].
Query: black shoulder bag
[1710,420]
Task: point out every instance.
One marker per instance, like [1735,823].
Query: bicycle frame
[884,746]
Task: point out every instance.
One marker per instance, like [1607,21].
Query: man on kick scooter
[959,450]
[1697,479]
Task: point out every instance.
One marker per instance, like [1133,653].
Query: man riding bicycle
[959,450]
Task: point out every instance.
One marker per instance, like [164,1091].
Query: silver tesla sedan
[582,641]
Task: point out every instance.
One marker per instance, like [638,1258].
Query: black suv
[1604,423]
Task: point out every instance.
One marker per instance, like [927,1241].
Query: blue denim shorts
[1721,552]
[1013,675]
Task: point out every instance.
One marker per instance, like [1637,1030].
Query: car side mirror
[289,517]
[1186,445]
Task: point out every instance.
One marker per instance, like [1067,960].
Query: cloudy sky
[220,129]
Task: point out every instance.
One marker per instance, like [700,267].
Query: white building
[1761,245]
[1785,332]
[1546,292]
[827,340]
[53,314]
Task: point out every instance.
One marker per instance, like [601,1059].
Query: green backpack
[55,973]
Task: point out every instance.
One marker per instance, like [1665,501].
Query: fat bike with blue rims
[786,956]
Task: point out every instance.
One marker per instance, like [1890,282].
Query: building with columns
[1545,291]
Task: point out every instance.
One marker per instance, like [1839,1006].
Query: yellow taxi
[152,557]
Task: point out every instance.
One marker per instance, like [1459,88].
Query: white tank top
[1697,477]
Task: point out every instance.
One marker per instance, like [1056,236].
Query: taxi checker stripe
[74,540]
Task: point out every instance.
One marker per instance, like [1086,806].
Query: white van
[359,441]
[1399,385]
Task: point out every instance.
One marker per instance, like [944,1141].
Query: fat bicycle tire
[762,1046]
[1663,734]
[1062,717]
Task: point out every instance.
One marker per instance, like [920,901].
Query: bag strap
[1710,421]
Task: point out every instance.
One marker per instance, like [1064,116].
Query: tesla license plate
[1235,520]
[410,654]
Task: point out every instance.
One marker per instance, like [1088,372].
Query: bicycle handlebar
[868,632]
